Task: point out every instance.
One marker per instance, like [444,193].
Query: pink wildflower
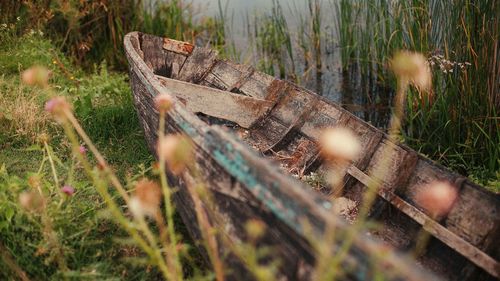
[68,190]
[82,149]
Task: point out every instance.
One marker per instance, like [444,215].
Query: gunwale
[296,189]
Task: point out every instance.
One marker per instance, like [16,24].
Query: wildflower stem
[168,201]
[42,164]
[114,180]
[209,239]
[100,159]
[11,263]
[380,171]
[52,166]
[114,209]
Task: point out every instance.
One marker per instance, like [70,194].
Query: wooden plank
[266,133]
[440,232]
[224,74]
[180,47]
[401,164]
[475,217]
[237,78]
[368,137]
[256,85]
[326,115]
[291,104]
[425,172]
[154,56]
[197,65]
[268,130]
[242,110]
[294,127]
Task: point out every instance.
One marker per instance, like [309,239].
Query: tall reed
[460,38]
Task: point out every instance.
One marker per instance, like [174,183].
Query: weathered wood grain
[437,230]
[197,65]
[243,110]
[475,223]
[176,46]
[224,75]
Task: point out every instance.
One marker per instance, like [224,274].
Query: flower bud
[34,181]
[255,228]
[176,150]
[147,198]
[82,149]
[164,102]
[36,76]
[437,198]
[58,106]
[339,144]
[68,190]
[412,67]
[32,201]
[43,138]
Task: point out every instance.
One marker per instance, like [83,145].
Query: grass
[89,241]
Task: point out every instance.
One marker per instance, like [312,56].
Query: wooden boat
[280,118]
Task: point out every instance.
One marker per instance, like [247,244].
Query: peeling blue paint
[234,163]
[187,128]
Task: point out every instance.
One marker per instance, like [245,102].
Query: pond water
[353,91]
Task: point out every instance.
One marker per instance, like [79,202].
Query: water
[358,94]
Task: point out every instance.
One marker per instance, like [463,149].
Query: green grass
[88,239]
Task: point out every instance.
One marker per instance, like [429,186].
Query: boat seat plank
[242,110]
[237,78]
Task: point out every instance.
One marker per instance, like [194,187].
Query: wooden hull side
[465,247]
[246,186]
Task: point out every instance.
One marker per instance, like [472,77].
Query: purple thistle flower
[68,190]
[50,104]
[82,149]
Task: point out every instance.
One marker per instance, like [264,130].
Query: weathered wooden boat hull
[247,186]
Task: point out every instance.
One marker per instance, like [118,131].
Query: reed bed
[458,122]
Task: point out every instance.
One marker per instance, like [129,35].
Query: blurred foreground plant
[340,147]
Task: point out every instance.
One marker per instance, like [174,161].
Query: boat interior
[283,122]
